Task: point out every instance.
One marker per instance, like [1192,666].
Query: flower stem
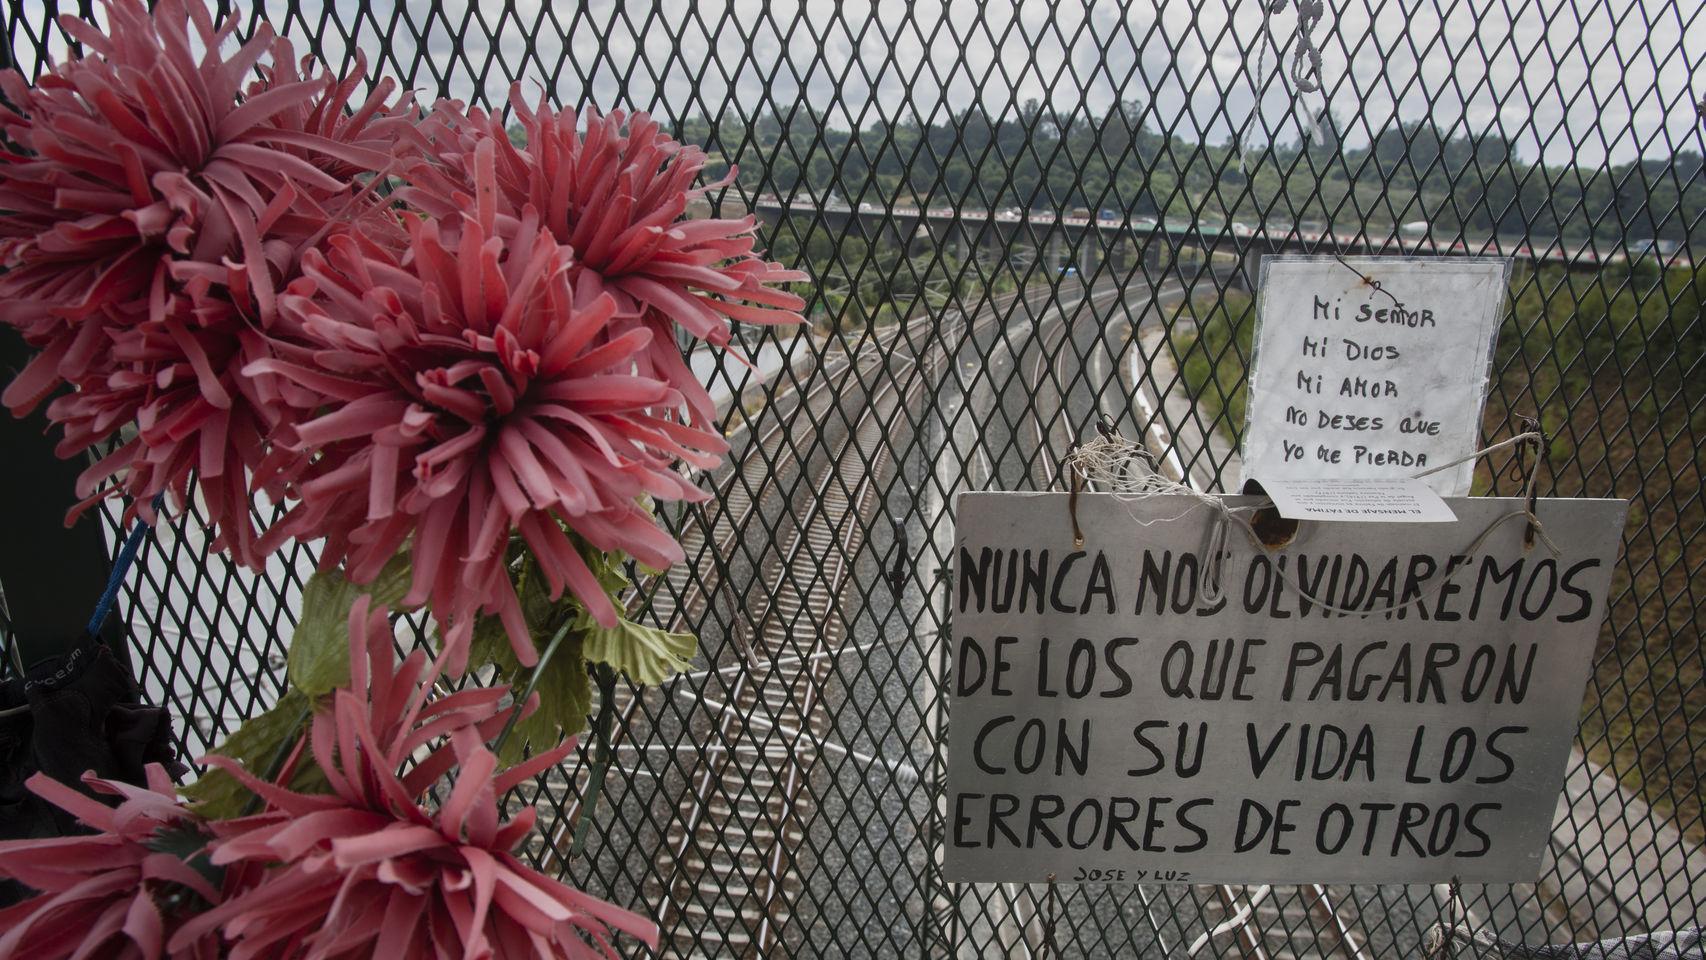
[275,769]
[532,684]
[601,758]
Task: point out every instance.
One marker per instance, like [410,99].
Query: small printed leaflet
[1351,379]
[1400,500]
[1368,703]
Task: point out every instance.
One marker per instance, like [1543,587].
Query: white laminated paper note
[1350,380]
[1404,500]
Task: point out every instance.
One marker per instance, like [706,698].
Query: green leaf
[490,645]
[565,690]
[187,840]
[565,700]
[537,607]
[257,745]
[608,568]
[646,655]
[319,649]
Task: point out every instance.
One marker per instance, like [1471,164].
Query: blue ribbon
[126,556]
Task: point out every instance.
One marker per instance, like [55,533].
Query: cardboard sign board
[1109,723]
[1351,381]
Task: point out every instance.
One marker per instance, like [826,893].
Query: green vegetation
[859,285]
[1212,339]
[1037,158]
[1604,361]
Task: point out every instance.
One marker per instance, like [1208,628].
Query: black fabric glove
[70,714]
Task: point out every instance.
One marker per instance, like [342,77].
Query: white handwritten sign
[1353,381]
[1108,721]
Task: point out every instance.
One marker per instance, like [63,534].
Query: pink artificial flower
[617,196]
[177,379]
[465,392]
[366,871]
[112,893]
[162,201]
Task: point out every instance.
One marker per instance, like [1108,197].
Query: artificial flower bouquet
[454,361]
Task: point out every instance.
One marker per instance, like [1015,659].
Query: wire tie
[1051,918]
[1451,929]
[1106,427]
[1073,482]
[1530,425]
[1367,280]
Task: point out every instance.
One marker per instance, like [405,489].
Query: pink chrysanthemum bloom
[177,379]
[161,201]
[617,196]
[366,871]
[468,392]
[115,893]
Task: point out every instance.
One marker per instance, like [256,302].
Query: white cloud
[1570,80]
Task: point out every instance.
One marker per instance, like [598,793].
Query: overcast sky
[1617,85]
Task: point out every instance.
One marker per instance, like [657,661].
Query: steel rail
[1245,920]
[811,679]
[723,531]
[1098,297]
[803,696]
[1118,415]
[1063,324]
[648,590]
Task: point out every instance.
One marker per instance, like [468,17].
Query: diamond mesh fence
[1021,220]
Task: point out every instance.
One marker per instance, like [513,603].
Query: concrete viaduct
[1063,241]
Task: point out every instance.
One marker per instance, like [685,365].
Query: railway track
[725,873]
[733,874]
[1052,455]
[728,869]
[733,854]
[1265,922]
